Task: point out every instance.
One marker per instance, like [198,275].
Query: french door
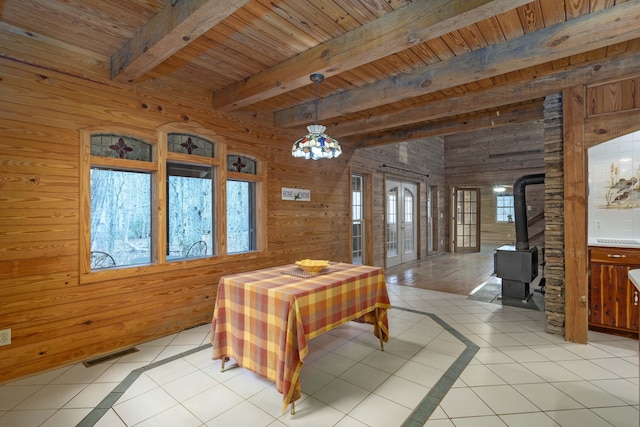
[466,220]
[401,222]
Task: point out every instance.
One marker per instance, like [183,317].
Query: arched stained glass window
[242,164]
[242,193]
[190,144]
[120,147]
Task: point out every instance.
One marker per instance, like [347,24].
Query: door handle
[635,298]
[616,256]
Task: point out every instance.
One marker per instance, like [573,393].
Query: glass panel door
[466,220]
[392,220]
[401,222]
[432,219]
[357,220]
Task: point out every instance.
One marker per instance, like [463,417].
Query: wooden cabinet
[613,298]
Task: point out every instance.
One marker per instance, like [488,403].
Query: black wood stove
[517,265]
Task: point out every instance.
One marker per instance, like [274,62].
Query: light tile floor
[450,362]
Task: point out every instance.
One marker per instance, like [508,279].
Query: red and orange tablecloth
[263,319]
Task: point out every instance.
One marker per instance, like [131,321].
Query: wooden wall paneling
[37,173]
[56,320]
[499,173]
[613,97]
[143,106]
[499,156]
[36,274]
[422,157]
[369,220]
[61,318]
[379,227]
[492,231]
[81,63]
[74,62]
[52,352]
[62,101]
[85,307]
[606,127]
[575,210]
[310,227]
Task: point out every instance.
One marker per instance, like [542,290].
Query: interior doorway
[401,221]
[466,220]
[358,223]
[432,219]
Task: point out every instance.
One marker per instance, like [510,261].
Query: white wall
[614,213]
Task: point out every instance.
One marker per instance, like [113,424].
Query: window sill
[169,266]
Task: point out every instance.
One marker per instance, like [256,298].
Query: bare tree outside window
[121,215]
[125,200]
[190,211]
[241,221]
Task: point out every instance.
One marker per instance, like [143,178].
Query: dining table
[264,319]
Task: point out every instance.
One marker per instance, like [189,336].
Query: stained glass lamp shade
[316,144]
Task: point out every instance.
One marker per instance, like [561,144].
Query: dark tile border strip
[103,407]
[430,402]
[418,417]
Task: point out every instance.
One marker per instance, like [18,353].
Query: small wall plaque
[296,194]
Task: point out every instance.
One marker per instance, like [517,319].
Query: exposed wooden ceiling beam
[483,120]
[593,72]
[415,23]
[609,26]
[176,25]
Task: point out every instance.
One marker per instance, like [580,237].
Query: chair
[197,249]
[101,260]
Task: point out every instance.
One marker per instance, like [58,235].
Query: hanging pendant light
[316,144]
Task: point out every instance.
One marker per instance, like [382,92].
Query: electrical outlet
[5,336]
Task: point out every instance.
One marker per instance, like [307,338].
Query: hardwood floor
[454,273]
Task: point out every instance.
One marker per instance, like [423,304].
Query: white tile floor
[520,376]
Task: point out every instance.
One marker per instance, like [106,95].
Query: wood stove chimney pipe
[520,208]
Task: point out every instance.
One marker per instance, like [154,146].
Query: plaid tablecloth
[263,319]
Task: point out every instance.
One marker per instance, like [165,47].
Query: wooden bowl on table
[313,266]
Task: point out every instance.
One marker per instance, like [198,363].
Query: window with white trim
[504,207]
[357,219]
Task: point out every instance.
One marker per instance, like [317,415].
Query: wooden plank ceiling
[394,69]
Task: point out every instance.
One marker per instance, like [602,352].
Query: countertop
[615,243]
